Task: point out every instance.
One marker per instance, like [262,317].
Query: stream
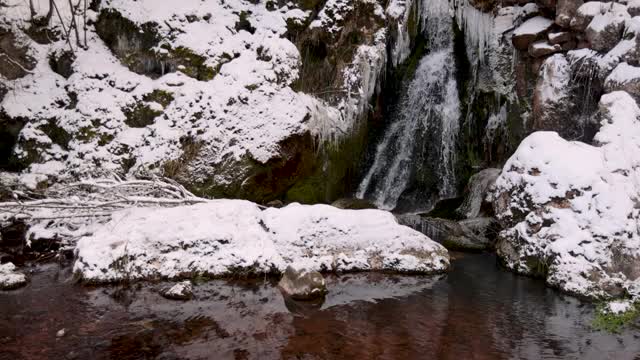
[477,311]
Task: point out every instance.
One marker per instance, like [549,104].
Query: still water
[477,311]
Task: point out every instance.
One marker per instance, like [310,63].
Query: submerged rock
[571,210]
[302,284]
[465,235]
[180,291]
[10,279]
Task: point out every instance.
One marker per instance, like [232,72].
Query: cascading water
[425,126]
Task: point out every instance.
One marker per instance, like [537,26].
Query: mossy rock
[140,115]
[605,320]
[57,134]
[162,97]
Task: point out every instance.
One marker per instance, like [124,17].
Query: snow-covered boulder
[11,279]
[225,237]
[633,7]
[585,13]
[529,31]
[571,210]
[605,29]
[543,48]
[624,77]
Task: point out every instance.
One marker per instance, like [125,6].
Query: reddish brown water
[475,312]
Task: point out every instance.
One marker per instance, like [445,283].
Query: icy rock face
[225,237]
[204,92]
[10,279]
[570,210]
[474,204]
[302,284]
[624,77]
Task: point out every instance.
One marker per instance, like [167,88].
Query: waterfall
[425,125]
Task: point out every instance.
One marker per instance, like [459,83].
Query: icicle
[477,27]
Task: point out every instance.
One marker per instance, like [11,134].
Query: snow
[9,278]
[533,26]
[623,73]
[223,237]
[586,197]
[619,307]
[247,109]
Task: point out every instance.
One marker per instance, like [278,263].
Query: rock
[17,63]
[231,237]
[474,204]
[465,235]
[10,279]
[624,77]
[552,96]
[275,204]
[569,45]
[180,291]
[633,7]
[585,13]
[353,204]
[530,31]
[566,10]
[559,37]
[542,48]
[570,210]
[60,333]
[605,30]
[302,284]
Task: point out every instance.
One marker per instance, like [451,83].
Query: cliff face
[234,98]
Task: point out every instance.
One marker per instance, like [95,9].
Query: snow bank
[571,209]
[9,278]
[224,237]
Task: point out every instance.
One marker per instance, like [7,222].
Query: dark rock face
[15,63]
[475,203]
[62,63]
[565,11]
[465,235]
[353,204]
[302,284]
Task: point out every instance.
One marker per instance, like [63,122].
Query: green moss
[614,323]
[139,115]
[192,63]
[57,134]
[537,267]
[162,97]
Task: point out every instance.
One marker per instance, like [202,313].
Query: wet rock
[302,284]
[465,235]
[585,14]
[566,10]
[633,7]
[353,203]
[179,291]
[10,279]
[530,31]
[475,204]
[275,203]
[624,77]
[543,48]
[605,30]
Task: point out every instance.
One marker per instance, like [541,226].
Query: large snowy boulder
[571,210]
[224,237]
[605,29]
[624,77]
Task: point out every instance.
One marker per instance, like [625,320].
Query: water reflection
[477,311]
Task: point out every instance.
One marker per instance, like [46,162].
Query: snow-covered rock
[302,284]
[633,7]
[570,210]
[605,29]
[543,48]
[624,77]
[223,237]
[180,291]
[11,279]
[200,91]
[530,31]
